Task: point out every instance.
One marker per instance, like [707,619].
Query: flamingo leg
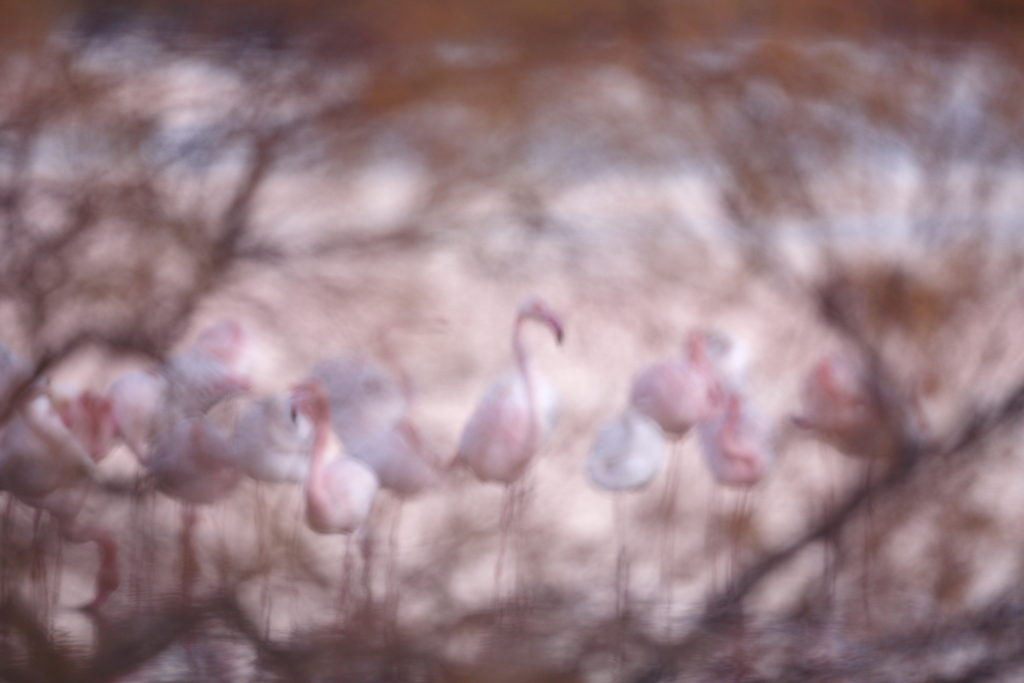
[37,567]
[108,578]
[831,550]
[621,561]
[521,492]
[348,569]
[262,554]
[189,564]
[709,536]
[393,587]
[368,545]
[504,524]
[866,567]
[5,535]
[668,507]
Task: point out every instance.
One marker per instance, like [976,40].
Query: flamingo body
[193,462]
[344,498]
[735,445]
[138,400]
[503,432]
[273,441]
[365,398]
[679,392]
[627,453]
[340,489]
[400,459]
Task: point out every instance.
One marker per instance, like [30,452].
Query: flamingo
[735,444]
[340,489]
[43,464]
[626,456]
[210,370]
[370,414]
[839,408]
[273,440]
[627,453]
[192,462]
[160,414]
[148,402]
[678,392]
[516,413]
[366,399]
[511,421]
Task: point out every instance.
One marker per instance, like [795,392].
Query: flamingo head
[533,308]
[225,340]
[310,399]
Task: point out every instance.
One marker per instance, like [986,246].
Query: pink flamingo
[735,444]
[44,465]
[515,414]
[511,420]
[340,489]
[626,456]
[677,393]
[838,407]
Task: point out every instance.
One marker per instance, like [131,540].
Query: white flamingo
[627,454]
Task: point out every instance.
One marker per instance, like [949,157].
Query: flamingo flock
[345,432]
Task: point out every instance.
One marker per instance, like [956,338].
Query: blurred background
[806,177]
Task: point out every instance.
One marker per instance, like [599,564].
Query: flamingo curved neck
[316,495]
[523,366]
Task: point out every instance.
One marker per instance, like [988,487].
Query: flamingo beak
[551,319]
[556,326]
[538,310]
